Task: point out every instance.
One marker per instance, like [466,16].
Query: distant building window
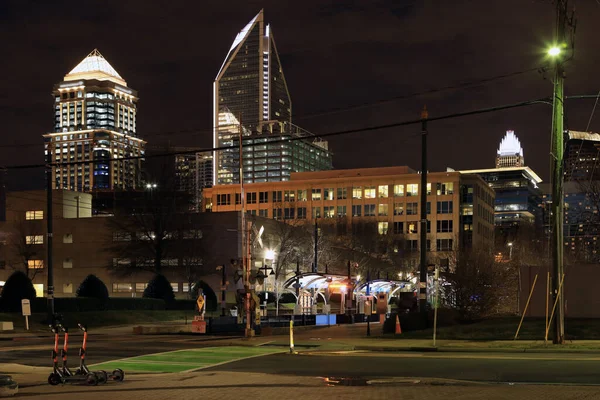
[263,213]
[67,288]
[411,227]
[444,207]
[398,228]
[36,214]
[382,210]
[35,264]
[316,194]
[369,192]
[356,210]
[412,208]
[175,287]
[251,198]
[277,213]
[357,192]
[341,211]
[68,238]
[277,196]
[34,239]
[341,193]
[140,287]
[328,211]
[263,197]
[68,263]
[121,287]
[301,213]
[302,195]
[398,208]
[444,226]
[224,199]
[382,228]
[412,189]
[445,188]
[369,210]
[444,244]
[328,193]
[288,213]
[398,190]
[316,212]
[289,196]
[382,191]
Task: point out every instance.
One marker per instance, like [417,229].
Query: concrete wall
[582,297]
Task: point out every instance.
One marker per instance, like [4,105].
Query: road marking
[186,360]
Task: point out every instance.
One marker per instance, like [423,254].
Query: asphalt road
[492,367]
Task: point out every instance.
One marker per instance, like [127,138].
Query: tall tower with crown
[94,130]
[510,152]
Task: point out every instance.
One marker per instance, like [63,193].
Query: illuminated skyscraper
[95,121]
[251,96]
[510,152]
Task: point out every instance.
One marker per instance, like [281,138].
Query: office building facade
[94,129]
[582,153]
[459,206]
[252,101]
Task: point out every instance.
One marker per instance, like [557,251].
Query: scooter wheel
[118,375]
[54,379]
[102,377]
[91,380]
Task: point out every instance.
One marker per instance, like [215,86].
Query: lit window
[383,190]
[68,263]
[382,210]
[316,194]
[357,192]
[35,264]
[36,214]
[369,192]
[175,287]
[121,287]
[67,238]
[67,288]
[398,190]
[34,239]
[328,193]
[382,228]
[412,189]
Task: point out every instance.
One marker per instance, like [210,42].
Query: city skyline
[342,66]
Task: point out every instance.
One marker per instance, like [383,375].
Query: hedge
[79,304]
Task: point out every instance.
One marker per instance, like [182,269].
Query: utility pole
[316,260]
[423,207]
[557,52]
[49,244]
[245,259]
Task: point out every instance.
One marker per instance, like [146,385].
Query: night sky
[335,55]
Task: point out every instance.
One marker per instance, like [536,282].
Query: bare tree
[146,230]
[478,284]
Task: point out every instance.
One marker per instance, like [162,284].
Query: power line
[289,140]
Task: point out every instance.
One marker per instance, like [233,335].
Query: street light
[554,51]
[270,254]
[510,247]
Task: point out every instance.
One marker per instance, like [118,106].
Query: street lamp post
[369,302]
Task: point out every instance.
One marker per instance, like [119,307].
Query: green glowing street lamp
[554,51]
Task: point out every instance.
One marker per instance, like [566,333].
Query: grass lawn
[504,328]
[94,319]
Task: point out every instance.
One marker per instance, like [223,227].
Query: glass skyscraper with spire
[251,97]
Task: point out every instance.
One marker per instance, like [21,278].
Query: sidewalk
[230,385]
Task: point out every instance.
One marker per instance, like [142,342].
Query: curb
[473,350]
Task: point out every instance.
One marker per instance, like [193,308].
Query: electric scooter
[83,369]
[117,375]
[62,374]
